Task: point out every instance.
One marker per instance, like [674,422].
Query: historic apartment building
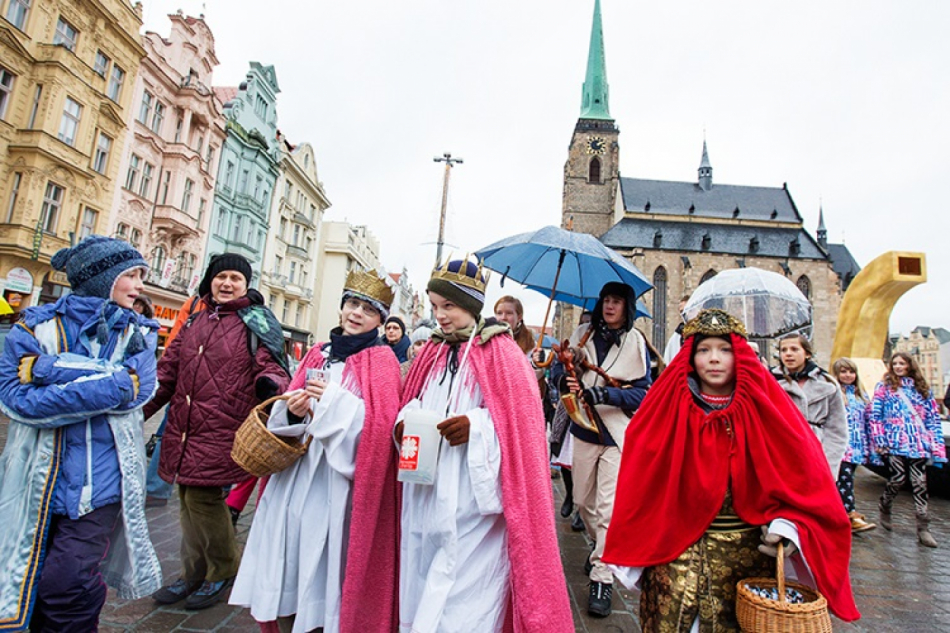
[169,166]
[67,71]
[342,247]
[247,172]
[681,233]
[292,254]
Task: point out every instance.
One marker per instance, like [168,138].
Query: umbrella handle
[547,313]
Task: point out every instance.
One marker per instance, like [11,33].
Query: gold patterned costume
[702,580]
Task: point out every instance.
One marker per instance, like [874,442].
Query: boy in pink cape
[322,548]
[478,548]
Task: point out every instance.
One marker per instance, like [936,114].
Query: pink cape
[539,600]
[372,559]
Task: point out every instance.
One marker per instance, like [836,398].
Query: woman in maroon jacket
[227,359]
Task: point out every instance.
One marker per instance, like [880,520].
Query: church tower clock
[592,170]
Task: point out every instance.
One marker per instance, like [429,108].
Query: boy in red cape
[718,467]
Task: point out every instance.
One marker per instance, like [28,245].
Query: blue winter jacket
[73,390]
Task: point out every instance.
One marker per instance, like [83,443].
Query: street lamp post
[449,161]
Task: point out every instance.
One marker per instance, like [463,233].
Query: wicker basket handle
[780,570]
[272,400]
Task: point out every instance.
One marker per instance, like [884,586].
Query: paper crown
[461,277]
[369,284]
[714,322]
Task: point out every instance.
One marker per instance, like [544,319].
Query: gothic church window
[804,284]
[659,308]
[593,174]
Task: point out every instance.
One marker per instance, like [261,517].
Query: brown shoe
[858,522]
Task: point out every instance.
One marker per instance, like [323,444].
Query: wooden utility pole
[449,161]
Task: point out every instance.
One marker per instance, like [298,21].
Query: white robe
[296,551]
[453,567]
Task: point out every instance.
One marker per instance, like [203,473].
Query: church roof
[700,237]
[720,201]
[843,263]
[942,335]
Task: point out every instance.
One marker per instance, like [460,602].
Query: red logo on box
[409,453]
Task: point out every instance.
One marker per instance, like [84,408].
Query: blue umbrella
[563,265]
[587,303]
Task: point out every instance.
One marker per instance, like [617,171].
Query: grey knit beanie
[93,265]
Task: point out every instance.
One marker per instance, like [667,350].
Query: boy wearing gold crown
[304,567]
[718,467]
[478,546]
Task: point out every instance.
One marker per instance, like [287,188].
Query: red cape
[372,558]
[539,601]
[678,461]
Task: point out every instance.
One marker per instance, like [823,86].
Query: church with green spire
[680,234]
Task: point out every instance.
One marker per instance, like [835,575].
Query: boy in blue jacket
[74,376]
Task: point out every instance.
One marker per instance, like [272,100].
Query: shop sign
[193,284]
[166,313]
[167,273]
[19,280]
[57,277]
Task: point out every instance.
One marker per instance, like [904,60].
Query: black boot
[598,603]
[577,523]
[235,515]
[568,506]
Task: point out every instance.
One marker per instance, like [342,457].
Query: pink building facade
[169,164]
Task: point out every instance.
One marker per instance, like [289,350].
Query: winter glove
[770,541]
[596,395]
[265,387]
[397,432]
[455,429]
[25,369]
[135,383]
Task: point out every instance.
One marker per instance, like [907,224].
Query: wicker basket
[761,615]
[260,452]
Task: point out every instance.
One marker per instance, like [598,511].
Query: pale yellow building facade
[67,69]
[343,247]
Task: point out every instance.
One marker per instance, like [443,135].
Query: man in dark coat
[394,335]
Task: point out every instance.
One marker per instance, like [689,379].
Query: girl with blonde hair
[858,407]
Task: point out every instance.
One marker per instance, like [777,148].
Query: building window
[283,228]
[146,183]
[69,125]
[296,234]
[659,308]
[186,196]
[237,228]
[228,174]
[14,193]
[709,274]
[299,316]
[17,13]
[804,284]
[179,123]
[210,158]
[271,302]
[278,264]
[287,189]
[88,225]
[593,173]
[293,273]
[244,176]
[257,187]
[283,314]
[101,160]
[101,65]
[260,240]
[135,238]
[66,34]
[201,211]
[158,261]
[122,231]
[133,174]
[158,117]
[187,266]
[36,106]
[116,79]
[222,222]
[199,145]
[145,110]
[248,239]
[6,90]
[52,203]
[165,185]
[260,106]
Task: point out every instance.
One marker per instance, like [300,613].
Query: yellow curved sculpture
[865,312]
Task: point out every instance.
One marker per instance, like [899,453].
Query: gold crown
[369,284]
[477,283]
[714,322]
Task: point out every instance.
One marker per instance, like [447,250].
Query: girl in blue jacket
[74,376]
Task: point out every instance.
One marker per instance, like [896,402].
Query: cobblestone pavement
[898,584]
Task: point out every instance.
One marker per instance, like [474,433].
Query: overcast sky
[846,101]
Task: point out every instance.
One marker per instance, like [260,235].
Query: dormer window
[754,245]
[657,239]
[707,242]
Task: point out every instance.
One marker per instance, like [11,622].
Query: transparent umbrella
[766,302]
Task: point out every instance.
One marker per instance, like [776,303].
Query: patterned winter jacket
[859,449]
[913,431]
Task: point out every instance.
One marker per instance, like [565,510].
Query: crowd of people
[423,499]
